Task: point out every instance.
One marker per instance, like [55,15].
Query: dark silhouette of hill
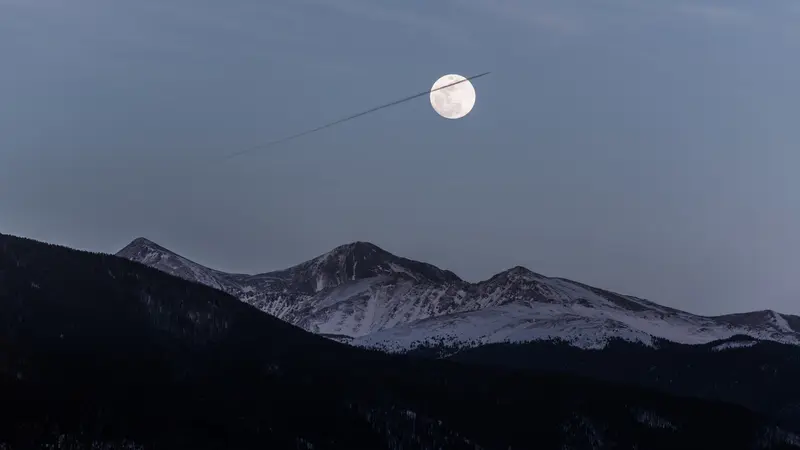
[101,352]
[760,375]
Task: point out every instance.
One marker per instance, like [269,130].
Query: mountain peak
[515,274]
[147,252]
[359,260]
[141,243]
[361,248]
[520,270]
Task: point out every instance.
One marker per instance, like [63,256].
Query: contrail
[295,136]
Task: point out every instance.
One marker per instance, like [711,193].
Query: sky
[649,147]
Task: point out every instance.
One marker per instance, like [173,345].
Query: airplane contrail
[295,136]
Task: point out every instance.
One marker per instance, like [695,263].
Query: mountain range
[98,352]
[364,295]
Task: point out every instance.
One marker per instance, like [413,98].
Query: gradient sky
[647,147]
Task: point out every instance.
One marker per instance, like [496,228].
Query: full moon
[452,102]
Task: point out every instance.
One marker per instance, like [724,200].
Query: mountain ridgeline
[375,299]
[100,352]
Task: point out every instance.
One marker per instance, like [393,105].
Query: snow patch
[653,420]
[780,322]
[399,269]
[732,345]
[772,436]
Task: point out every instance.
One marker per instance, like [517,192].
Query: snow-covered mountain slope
[151,254]
[369,297]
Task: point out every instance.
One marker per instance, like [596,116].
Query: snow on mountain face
[372,298]
[579,325]
[768,320]
[151,254]
[733,345]
[352,290]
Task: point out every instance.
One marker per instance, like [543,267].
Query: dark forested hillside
[757,374]
[100,352]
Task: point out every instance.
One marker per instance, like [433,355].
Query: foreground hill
[369,297]
[100,352]
[760,375]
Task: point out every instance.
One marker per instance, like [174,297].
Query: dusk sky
[647,147]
